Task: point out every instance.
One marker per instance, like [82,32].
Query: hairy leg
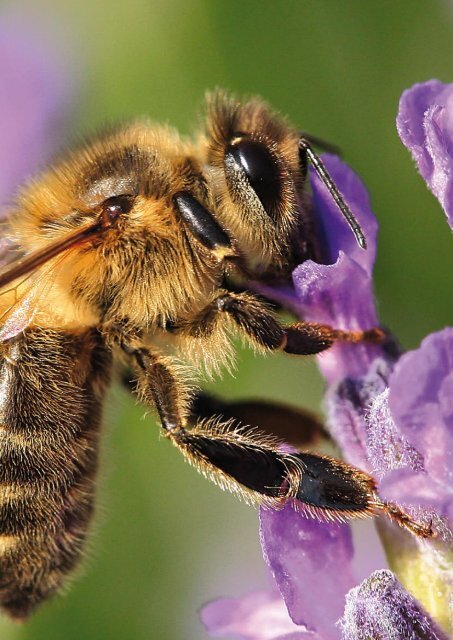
[257,322]
[252,464]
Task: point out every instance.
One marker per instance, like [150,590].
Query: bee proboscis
[129,243]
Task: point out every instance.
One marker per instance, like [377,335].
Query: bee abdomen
[52,385]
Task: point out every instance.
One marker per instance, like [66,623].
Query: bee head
[138,262]
[254,175]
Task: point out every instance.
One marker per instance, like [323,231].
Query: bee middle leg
[295,426]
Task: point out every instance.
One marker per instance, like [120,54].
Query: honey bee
[129,246]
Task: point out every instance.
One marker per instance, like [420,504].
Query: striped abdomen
[51,389]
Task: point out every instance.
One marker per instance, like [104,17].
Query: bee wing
[18,316]
[20,313]
[8,249]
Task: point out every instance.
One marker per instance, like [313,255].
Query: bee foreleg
[256,320]
[250,314]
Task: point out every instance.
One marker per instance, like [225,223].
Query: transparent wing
[32,276]
[8,251]
[23,300]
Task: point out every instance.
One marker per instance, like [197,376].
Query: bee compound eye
[260,168]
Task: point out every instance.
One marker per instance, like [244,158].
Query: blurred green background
[166,541]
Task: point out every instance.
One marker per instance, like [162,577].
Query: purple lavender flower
[391,415]
[425,125]
[418,409]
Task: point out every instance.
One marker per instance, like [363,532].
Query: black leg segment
[293,425]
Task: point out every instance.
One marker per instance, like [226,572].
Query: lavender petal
[421,403]
[425,126]
[380,607]
[387,449]
[303,555]
[339,295]
[259,615]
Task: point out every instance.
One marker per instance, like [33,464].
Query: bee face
[143,268]
[245,174]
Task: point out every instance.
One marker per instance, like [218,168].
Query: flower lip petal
[387,448]
[304,555]
[338,294]
[421,403]
[330,227]
[341,296]
[259,615]
[425,126]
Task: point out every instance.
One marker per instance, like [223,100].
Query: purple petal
[421,403]
[347,405]
[339,295]
[34,94]
[340,292]
[381,608]
[425,125]
[260,615]
[387,449]
[304,555]
[331,228]
[409,488]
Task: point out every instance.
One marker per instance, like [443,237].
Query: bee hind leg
[248,462]
[241,460]
[328,489]
[254,464]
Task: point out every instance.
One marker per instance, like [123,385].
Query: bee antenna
[320,143]
[320,168]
